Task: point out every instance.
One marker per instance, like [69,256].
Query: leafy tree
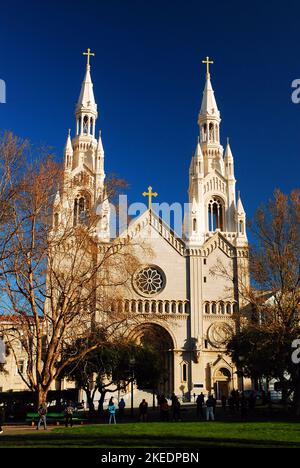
[109,369]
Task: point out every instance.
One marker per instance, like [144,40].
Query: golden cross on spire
[89,54]
[207,62]
[150,194]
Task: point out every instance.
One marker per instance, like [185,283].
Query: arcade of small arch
[144,306]
[220,308]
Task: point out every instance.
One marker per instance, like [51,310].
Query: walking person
[2,416]
[143,411]
[121,407]
[69,415]
[112,411]
[176,409]
[42,416]
[200,403]
[210,404]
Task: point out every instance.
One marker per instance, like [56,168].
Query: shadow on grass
[119,440]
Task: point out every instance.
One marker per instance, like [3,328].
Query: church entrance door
[222,383]
[159,339]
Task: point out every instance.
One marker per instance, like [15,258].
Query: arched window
[204,133]
[215,214]
[206,308]
[79,126]
[213,308]
[211,132]
[85,124]
[228,309]
[81,209]
[221,308]
[194,224]
[216,132]
[91,126]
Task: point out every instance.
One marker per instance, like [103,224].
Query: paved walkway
[12,430]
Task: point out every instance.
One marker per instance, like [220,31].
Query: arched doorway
[222,380]
[158,338]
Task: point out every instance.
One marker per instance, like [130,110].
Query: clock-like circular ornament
[219,334]
[149,281]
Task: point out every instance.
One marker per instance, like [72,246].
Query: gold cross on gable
[150,194]
[207,62]
[89,54]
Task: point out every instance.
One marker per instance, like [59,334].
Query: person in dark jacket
[2,414]
[176,409]
[69,410]
[210,406]
[200,403]
[143,408]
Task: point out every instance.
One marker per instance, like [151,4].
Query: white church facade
[177,291]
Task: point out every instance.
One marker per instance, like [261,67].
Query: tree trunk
[101,401]
[90,401]
[41,395]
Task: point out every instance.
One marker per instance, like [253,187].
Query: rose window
[149,281]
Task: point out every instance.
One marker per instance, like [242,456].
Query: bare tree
[58,283]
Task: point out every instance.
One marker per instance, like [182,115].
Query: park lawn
[163,435]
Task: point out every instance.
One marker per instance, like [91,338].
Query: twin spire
[86,100]
[86,115]
[209,104]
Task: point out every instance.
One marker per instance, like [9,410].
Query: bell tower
[84,176]
[212,191]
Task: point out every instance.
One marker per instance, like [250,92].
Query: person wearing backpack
[69,415]
[42,416]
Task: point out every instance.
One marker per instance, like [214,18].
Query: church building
[179,291]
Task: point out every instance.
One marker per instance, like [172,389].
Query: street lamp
[131,365]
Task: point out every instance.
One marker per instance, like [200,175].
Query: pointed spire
[86,98]
[198,150]
[68,146]
[209,104]
[228,154]
[239,207]
[100,148]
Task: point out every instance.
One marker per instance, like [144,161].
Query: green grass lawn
[180,435]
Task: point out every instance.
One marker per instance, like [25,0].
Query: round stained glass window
[149,281]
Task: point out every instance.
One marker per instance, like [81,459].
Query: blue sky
[148,81]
